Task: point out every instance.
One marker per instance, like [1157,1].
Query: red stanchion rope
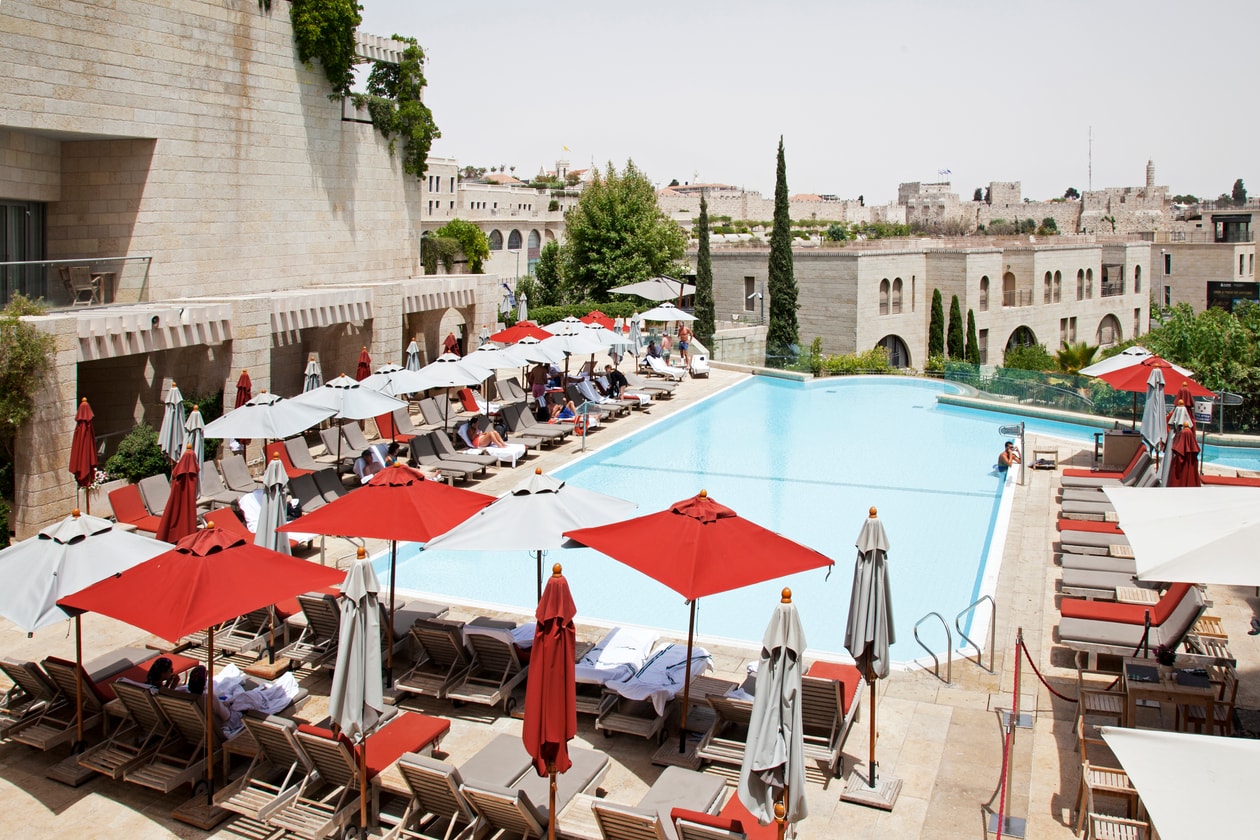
[1033,665]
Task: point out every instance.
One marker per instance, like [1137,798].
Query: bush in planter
[138,456]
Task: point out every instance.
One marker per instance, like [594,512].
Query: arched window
[1022,337]
[898,353]
[514,240]
[1080,284]
[1058,286]
[984,293]
[496,241]
[1089,282]
[1049,287]
[1109,331]
[1137,278]
[896,296]
[1008,290]
[883,296]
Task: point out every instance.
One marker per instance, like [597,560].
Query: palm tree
[1073,357]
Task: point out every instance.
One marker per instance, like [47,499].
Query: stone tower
[1150,176]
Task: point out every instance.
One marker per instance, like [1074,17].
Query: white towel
[617,656]
[663,676]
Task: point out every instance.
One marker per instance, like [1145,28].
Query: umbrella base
[859,792]
[264,670]
[667,755]
[197,813]
[1011,826]
[70,772]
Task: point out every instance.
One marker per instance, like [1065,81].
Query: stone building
[232,215]
[1209,261]
[682,204]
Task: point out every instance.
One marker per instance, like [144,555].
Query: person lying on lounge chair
[232,699]
[489,437]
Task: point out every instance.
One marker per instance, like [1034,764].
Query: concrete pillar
[251,346]
[387,325]
[44,489]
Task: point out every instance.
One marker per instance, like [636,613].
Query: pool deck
[943,741]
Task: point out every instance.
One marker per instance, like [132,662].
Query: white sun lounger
[616,657]
[641,704]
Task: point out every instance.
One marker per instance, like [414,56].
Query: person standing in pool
[1008,456]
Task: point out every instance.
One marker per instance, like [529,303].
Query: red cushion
[1125,613]
[710,820]
[1077,473]
[137,673]
[1235,480]
[1088,525]
[407,732]
[735,811]
[277,450]
[848,676]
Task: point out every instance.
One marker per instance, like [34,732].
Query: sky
[865,95]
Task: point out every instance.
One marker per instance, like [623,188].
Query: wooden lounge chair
[213,490]
[495,669]
[243,634]
[129,509]
[1071,477]
[29,695]
[136,737]
[426,456]
[441,658]
[316,646]
[618,655]
[649,818]
[1100,627]
[276,449]
[831,695]
[182,757]
[236,474]
[276,774]
[733,822]
[727,737]
[641,704]
[514,810]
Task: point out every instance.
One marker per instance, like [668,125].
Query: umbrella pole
[363,800]
[870,677]
[389,650]
[1135,409]
[691,632]
[210,716]
[551,804]
[780,813]
[78,680]
[540,574]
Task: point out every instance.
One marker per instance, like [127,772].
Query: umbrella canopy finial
[787,595]
[361,553]
[83,400]
[556,570]
[704,494]
[75,513]
[537,470]
[874,512]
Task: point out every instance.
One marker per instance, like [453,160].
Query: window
[514,240]
[452,184]
[1167,263]
[1168,296]
[750,302]
[1109,331]
[984,293]
[1240,265]
[913,287]
[1049,287]
[1080,284]
[1089,282]
[1137,279]
[496,241]
[883,296]
[452,204]
[1251,263]
[1063,331]
[1008,290]
[896,296]
[982,339]
[1137,322]
[1058,286]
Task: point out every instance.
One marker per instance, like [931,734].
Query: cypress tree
[955,334]
[783,331]
[705,319]
[972,352]
[936,326]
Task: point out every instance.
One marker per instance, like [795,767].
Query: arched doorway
[1022,337]
[1109,331]
[898,352]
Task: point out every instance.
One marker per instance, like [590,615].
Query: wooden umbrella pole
[691,631]
[78,678]
[870,676]
[363,793]
[780,813]
[389,631]
[210,716]
[551,805]
[540,574]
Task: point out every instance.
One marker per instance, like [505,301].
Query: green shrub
[1030,357]
[4,524]
[935,365]
[138,456]
[874,360]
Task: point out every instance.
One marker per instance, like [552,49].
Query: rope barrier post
[999,823]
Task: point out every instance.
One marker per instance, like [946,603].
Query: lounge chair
[699,368]
[243,634]
[733,822]
[331,800]
[659,368]
[136,737]
[329,485]
[1087,525]
[474,404]
[432,413]
[129,509]
[831,695]
[522,808]
[727,737]
[316,645]
[236,474]
[1094,542]
[426,456]
[213,490]
[521,422]
[441,658]
[510,453]
[155,492]
[495,668]
[443,449]
[1097,583]
[303,488]
[512,389]
[1099,627]
[1102,478]
[338,447]
[354,436]
[617,656]
[649,818]
[388,429]
[641,704]
[30,694]
[182,757]
[229,520]
[276,774]
[584,391]
[276,449]
[1097,562]
[402,419]
[657,388]
[300,454]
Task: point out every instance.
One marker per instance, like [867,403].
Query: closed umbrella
[314,376]
[636,336]
[195,433]
[364,369]
[483,337]
[83,457]
[411,361]
[273,511]
[267,416]
[171,433]
[712,550]
[869,631]
[179,517]
[244,389]
[551,691]
[356,700]
[522,308]
[773,768]
[534,516]
[1183,460]
[1154,419]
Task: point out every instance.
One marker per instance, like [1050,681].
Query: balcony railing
[1113,289]
[77,282]
[1017,297]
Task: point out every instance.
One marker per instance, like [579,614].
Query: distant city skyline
[866,96]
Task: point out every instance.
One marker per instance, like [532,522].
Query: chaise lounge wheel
[607,733]
[201,788]
[351,833]
[509,705]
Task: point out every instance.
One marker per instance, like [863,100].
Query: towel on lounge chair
[617,656]
[251,506]
[269,698]
[663,676]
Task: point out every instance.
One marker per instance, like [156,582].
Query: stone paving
[944,741]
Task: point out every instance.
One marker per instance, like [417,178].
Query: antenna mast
[1091,159]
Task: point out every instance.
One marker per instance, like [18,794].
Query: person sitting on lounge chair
[488,437]
[162,674]
[653,350]
[1008,456]
[616,381]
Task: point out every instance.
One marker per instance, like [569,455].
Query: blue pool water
[804,460]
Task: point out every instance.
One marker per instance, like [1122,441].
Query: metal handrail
[992,629]
[949,648]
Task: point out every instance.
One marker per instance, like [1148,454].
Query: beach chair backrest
[1183,616]
[155,490]
[822,712]
[187,715]
[386,428]
[435,785]
[62,674]
[494,654]
[127,504]
[729,709]
[306,492]
[227,519]
[331,437]
[468,401]
[333,760]
[442,641]
[236,473]
[29,677]
[693,830]
[323,615]
[277,450]
[329,485]
[511,414]
[300,455]
[402,421]
[505,809]
[618,822]
[431,411]
[211,481]
[354,436]
[140,706]
[276,739]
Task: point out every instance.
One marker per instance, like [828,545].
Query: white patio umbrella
[60,560]
[1193,786]
[356,699]
[347,399]
[657,288]
[1154,421]
[1191,534]
[382,379]
[195,433]
[1125,358]
[267,416]
[534,517]
[667,312]
[495,358]
[522,310]
[564,325]
[273,512]
[314,377]
[773,768]
[412,358]
[445,372]
[171,433]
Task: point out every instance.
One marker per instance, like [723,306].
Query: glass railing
[95,281]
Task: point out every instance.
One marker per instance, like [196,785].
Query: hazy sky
[866,95]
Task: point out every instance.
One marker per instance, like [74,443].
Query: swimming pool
[804,460]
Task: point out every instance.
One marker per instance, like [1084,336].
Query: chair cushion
[849,676]
[408,732]
[501,762]
[1125,613]
[1088,525]
[719,822]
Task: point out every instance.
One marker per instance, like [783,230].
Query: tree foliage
[324,29]
[784,331]
[971,353]
[1028,357]
[1071,193]
[705,317]
[25,357]
[138,456]
[548,288]
[978,195]
[395,99]
[1072,357]
[954,344]
[471,241]
[1239,193]
[435,250]
[936,326]
[616,235]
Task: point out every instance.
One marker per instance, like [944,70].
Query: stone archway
[898,352]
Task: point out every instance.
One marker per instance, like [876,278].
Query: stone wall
[740,345]
[30,167]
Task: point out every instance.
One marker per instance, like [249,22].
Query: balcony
[93,281]
[1112,289]
[1017,297]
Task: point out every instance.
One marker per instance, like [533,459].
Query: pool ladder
[949,639]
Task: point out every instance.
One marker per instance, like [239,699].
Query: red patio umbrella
[1183,469]
[551,691]
[519,330]
[179,517]
[1133,378]
[597,317]
[83,459]
[364,370]
[712,550]
[244,393]
[206,579]
[397,504]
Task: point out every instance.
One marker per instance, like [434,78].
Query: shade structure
[522,307]
[364,368]
[179,517]
[567,324]
[495,358]
[62,559]
[411,356]
[273,512]
[1126,357]
[1180,416]
[773,768]
[712,550]
[313,377]
[667,312]
[1183,460]
[1154,420]
[1191,534]
[577,342]
[1134,377]
[551,687]
[267,416]
[382,379]
[83,457]
[607,338]
[171,433]
[244,389]
[1193,786]
[657,288]
[869,630]
[204,580]
[636,334]
[534,516]
[195,433]
[350,399]
[597,317]
[521,329]
[534,350]
[356,700]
